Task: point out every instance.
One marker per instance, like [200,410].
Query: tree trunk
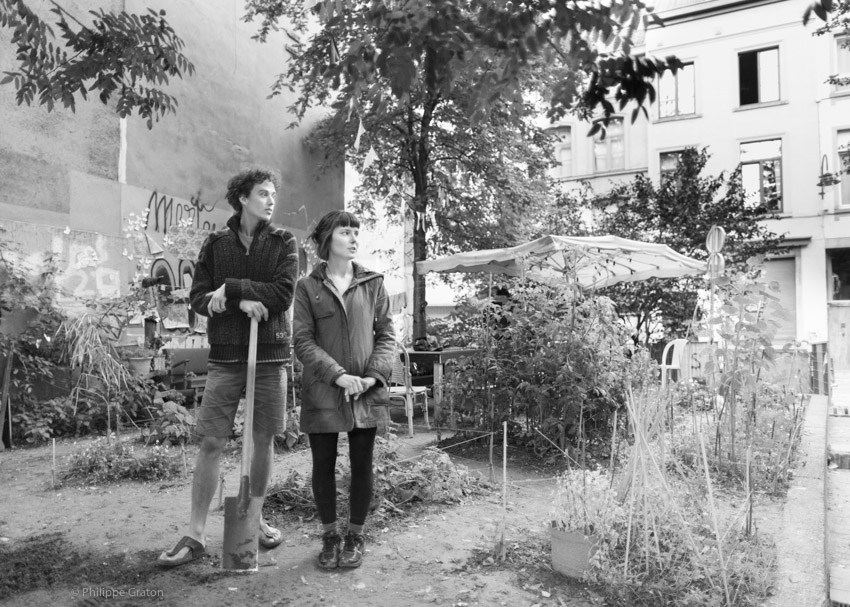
[420,250]
[420,153]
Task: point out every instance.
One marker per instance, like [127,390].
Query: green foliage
[661,536]
[755,392]
[553,360]
[438,93]
[88,412]
[679,212]
[38,422]
[172,422]
[121,54]
[585,503]
[399,47]
[108,460]
[292,437]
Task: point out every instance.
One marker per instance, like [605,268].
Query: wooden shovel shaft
[248,427]
[242,514]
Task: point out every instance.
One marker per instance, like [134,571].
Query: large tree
[124,56]
[428,84]
[679,211]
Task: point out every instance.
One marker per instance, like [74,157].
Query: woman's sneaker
[352,551]
[329,556]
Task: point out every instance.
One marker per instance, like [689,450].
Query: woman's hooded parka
[331,339]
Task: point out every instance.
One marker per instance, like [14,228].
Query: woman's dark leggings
[361,443]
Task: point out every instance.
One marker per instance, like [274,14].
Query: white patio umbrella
[593,262]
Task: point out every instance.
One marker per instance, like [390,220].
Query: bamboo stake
[53,469]
[715,522]
[749,524]
[613,449]
[504,488]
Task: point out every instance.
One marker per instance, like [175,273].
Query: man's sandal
[271,538]
[196,551]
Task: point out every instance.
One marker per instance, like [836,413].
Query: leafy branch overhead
[128,56]
[442,95]
[376,48]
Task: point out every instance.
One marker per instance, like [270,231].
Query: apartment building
[753,91]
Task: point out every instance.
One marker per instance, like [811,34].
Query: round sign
[715,239]
[716,265]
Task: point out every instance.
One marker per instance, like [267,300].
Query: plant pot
[139,365]
[571,552]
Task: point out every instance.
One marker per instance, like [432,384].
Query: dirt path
[104,540]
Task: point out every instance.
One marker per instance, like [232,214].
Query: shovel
[242,513]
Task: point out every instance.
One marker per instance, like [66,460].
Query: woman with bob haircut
[343,335]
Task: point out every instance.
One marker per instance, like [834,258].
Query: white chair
[401,387]
[672,358]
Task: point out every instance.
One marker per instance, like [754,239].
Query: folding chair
[401,387]
[671,359]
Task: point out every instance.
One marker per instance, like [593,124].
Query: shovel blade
[241,533]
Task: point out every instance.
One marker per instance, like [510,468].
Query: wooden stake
[505,467]
[183,453]
[221,491]
[53,470]
[492,472]
[613,449]
[503,553]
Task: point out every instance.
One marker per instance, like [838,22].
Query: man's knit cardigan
[267,272]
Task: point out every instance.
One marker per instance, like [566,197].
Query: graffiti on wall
[87,272]
[165,212]
[85,265]
[174,228]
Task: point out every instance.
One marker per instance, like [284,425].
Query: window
[843,141]
[609,154]
[563,152]
[758,76]
[761,173]
[668,163]
[842,63]
[839,266]
[676,95]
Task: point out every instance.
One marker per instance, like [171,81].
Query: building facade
[72,182]
[753,92]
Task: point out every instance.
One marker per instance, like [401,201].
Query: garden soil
[81,546]
[84,546]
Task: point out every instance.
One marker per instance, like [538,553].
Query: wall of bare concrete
[71,181]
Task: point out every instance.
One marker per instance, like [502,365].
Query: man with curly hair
[246,271]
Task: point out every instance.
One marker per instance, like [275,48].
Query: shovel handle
[248,427]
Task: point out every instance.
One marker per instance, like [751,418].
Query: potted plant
[582,517]
[141,302]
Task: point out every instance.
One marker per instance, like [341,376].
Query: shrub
[553,360]
[107,460]
[172,423]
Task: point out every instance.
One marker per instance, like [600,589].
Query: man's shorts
[223,389]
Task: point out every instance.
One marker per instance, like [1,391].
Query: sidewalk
[801,579]
[838,491]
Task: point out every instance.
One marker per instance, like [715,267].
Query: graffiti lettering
[166,213]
